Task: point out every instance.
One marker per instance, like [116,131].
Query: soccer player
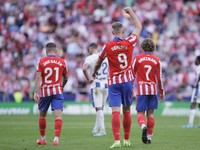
[195,98]
[50,69]
[99,87]
[120,81]
[148,70]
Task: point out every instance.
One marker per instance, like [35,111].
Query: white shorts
[99,96]
[198,96]
[195,96]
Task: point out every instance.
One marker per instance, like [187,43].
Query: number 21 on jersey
[49,72]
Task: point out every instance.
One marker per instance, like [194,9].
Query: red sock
[42,126]
[58,126]
[116,125]
[141,119]
[127,124]
[150,125]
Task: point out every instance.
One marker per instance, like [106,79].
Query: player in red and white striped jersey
[120,81]
[50,69]
[148,71]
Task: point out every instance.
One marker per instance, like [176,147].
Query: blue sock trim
[98,109]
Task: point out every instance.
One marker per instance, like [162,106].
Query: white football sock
[142,126]
[100,120]
[191,117]
[42,138]
[56,139]
[96,127]
[149,136]
[117,141]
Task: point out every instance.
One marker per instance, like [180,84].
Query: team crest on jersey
[118,42]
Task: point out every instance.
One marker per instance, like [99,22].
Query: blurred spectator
[26,26]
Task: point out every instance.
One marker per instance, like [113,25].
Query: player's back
[119,54]
[52,68]
[147,70]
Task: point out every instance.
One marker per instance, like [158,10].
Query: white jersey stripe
[54,90]
[146,90]
[141,91]
[129,75]
[109,81]
[125,77]
[152,90]
[120,78]
[114,81]
[43,93]
[60,92]
[48,91]
[134,63]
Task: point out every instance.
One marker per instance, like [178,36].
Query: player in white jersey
[99,87]
[195,98]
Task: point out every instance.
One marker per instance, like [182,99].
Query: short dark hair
[148,45]
[50,45]
[198,58]
[92,46]
[117,27]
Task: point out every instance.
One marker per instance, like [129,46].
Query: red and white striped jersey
[119,54]
[148,71]
[52,69]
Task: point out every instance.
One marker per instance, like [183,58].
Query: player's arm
[65,79]
[97,66]
[85,67]
[37,86]
[136,21]
[160,83]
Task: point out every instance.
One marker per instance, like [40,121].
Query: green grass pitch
[21,132]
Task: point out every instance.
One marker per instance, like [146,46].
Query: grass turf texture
[21,132]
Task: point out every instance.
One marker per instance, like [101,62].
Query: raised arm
[136,22]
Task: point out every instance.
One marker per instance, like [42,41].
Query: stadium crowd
[27,25]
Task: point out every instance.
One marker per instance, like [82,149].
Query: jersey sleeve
[38,67]
[102,54]
[88,61]
[159,78]
[65,71]
[132,39]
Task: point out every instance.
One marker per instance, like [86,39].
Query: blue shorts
[122,92]
[55,100]
[146,102]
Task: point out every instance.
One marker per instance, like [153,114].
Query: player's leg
[57,125]
[57,107]
[192,109]
[115,104]
[141,107]
[152,104]
[43,106]
[127,96]
[102,97]
[96,126]
[97,103]
[150,125]
[126,125]
[116,126]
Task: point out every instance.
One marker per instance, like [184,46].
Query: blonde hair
[117,27]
